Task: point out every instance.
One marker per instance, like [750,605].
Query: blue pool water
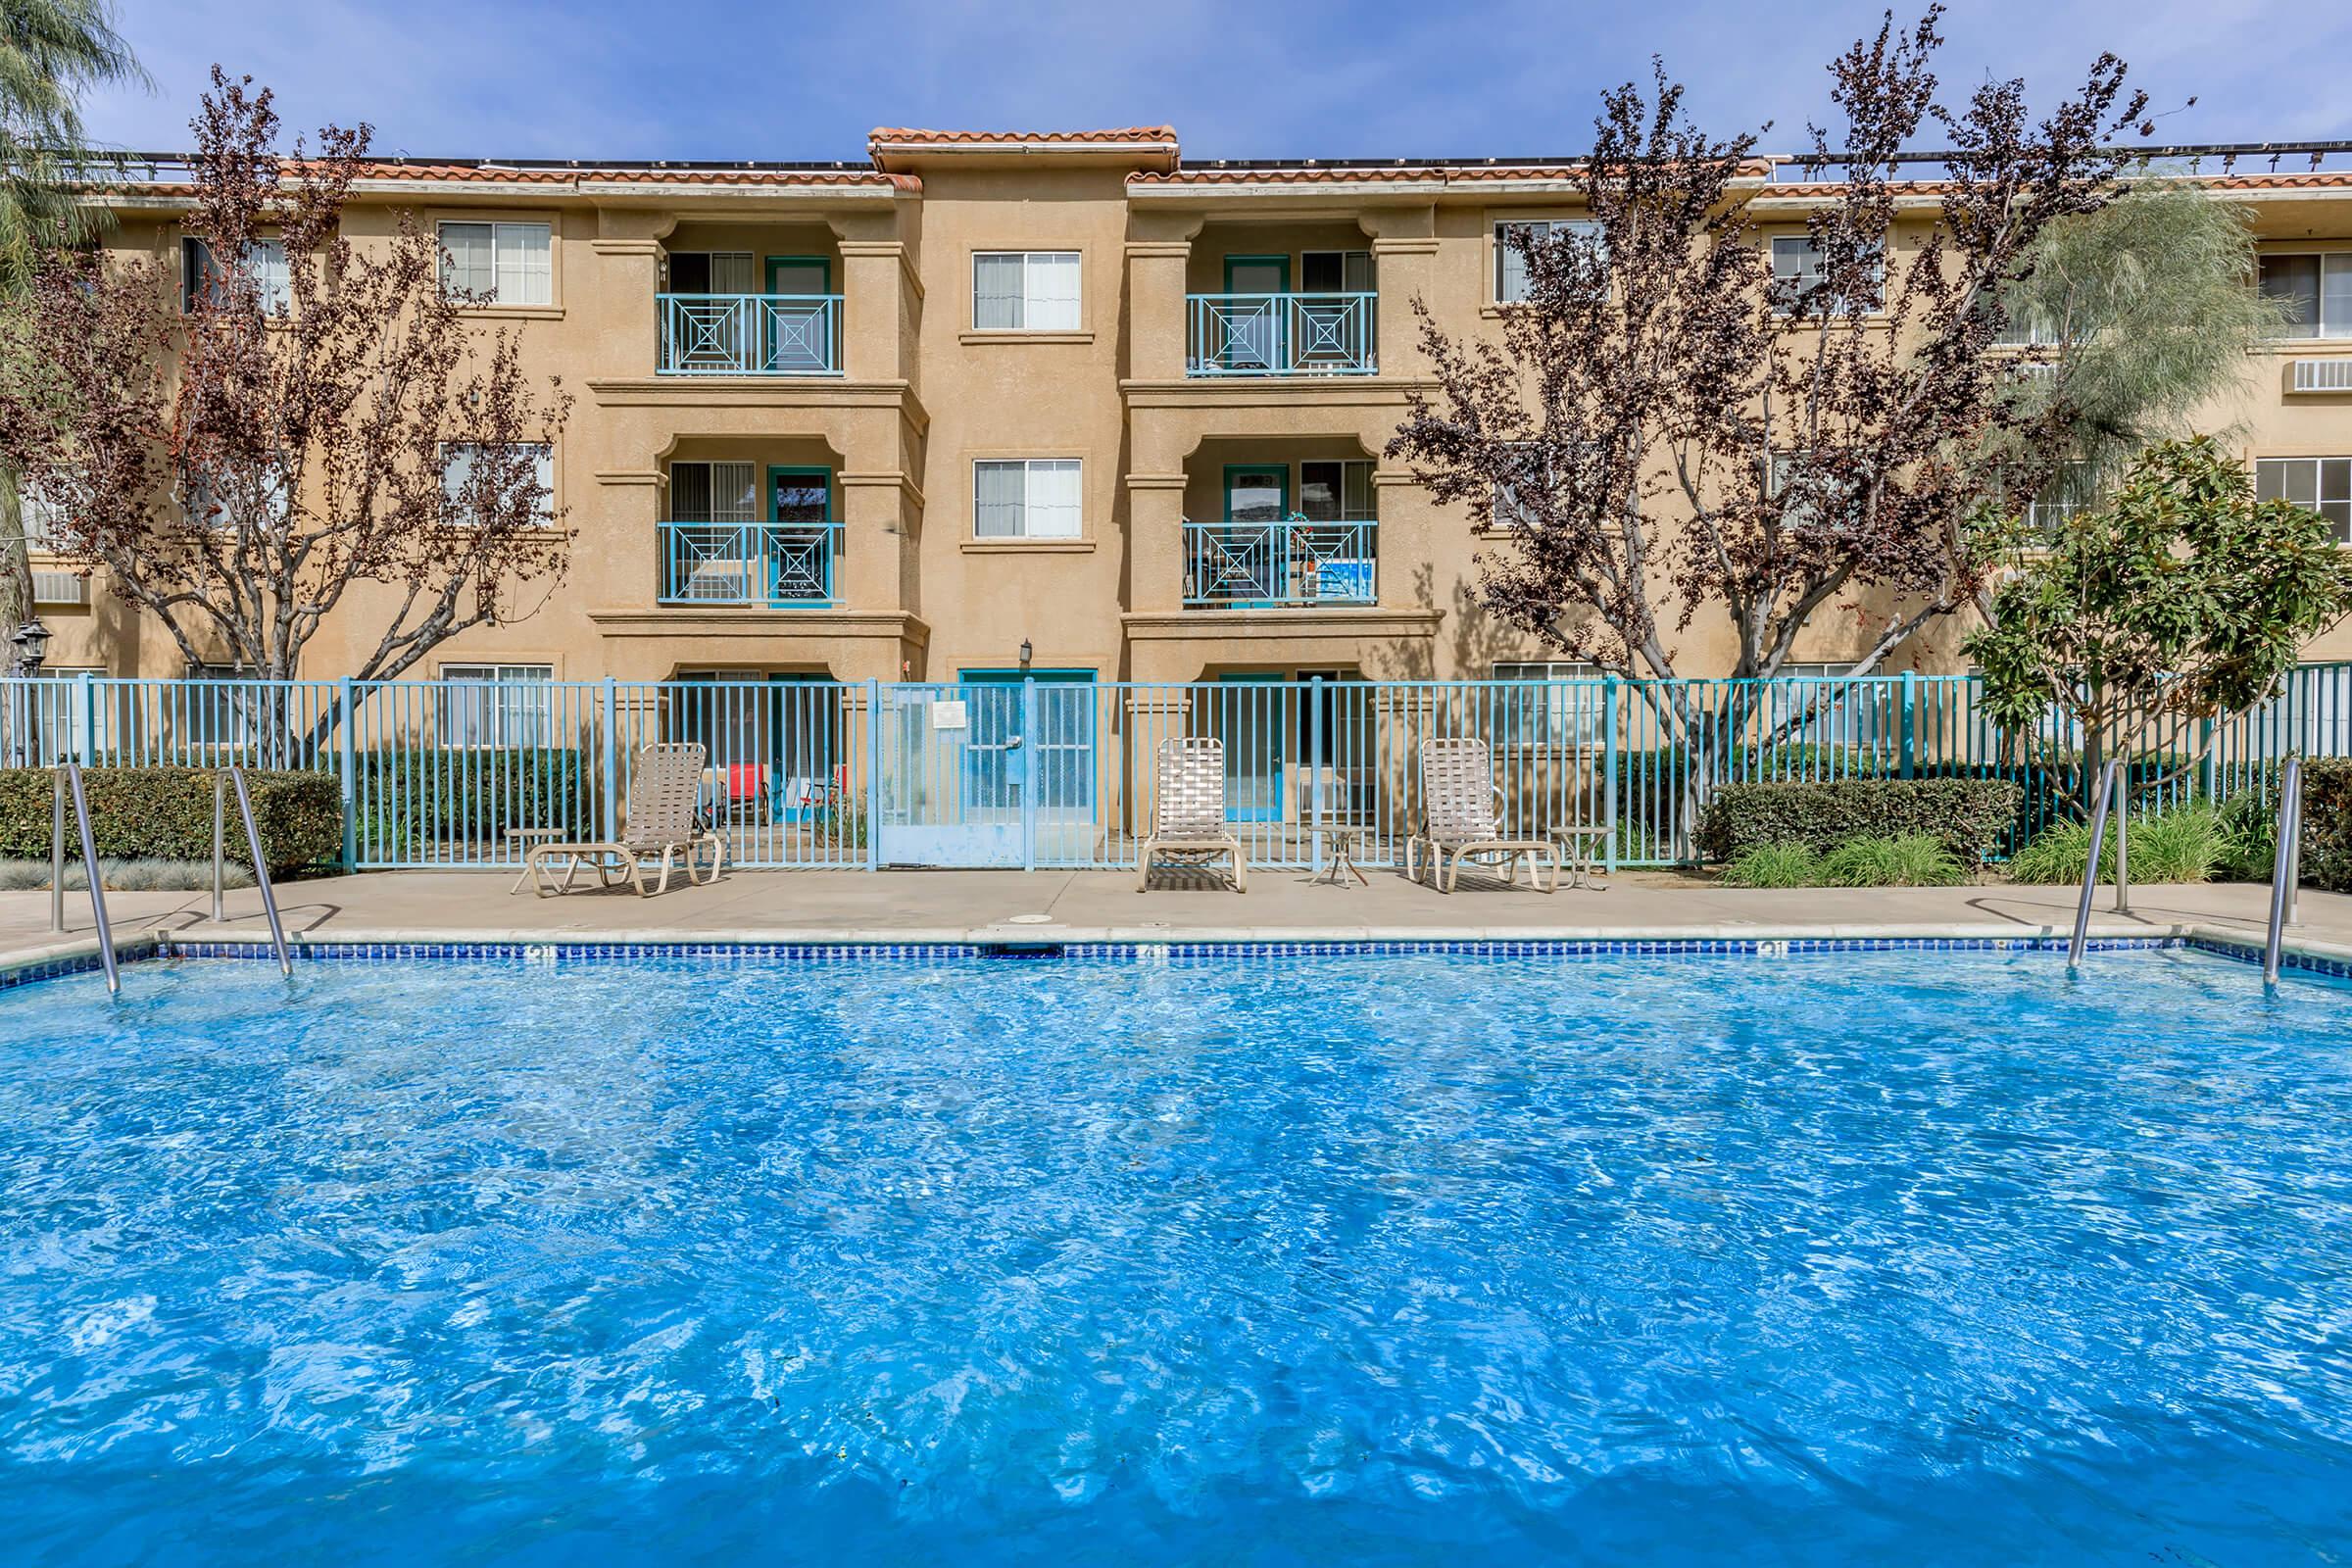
[1887,1258]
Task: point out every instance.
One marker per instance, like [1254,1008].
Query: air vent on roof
[2323,375]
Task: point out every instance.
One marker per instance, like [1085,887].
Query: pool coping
[1768,940]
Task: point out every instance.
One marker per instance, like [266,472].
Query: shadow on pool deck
[1104,905]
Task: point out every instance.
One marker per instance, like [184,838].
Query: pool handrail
[2285,868]
[261,868]
[69,777]
[2091,866]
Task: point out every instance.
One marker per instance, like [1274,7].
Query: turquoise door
[800,318]
[1256,289]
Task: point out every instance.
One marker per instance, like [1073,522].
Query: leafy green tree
[51,53]
[2181,599]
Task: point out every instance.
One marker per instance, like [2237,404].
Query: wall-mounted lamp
[1026,651]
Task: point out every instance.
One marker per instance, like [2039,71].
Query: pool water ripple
[1391,1259]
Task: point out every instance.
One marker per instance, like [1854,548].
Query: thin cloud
[1509,77]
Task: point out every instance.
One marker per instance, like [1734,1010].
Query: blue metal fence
[817,773]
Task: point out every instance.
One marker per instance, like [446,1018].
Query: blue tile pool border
[1137,953]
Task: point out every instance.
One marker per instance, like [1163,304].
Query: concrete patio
[1103,905]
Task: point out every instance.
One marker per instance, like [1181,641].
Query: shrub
[2249,827]
[1906,860]
[128,876]
[1775,865]
[1966,815]
[2187,844]
[477,793]
[2328,824]
[166,813]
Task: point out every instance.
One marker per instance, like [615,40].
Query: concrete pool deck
[399,906]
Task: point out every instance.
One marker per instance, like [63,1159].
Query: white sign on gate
[949,716]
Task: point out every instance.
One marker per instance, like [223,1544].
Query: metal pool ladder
[221,780]
[2286,872]
[68,779]
[2107,808]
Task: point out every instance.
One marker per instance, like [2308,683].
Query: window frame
[1785,309]
[1503,250]
[492,712]
[2322,501]
[1574,728]
[494,298]
[2319,257]
[449,503]
[1027,298]
[1077,464]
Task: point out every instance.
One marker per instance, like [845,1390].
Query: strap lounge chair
[666,786]
[1187,811]
[1458,792]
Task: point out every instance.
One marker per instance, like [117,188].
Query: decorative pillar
[1404,262]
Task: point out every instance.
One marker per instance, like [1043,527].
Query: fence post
[1027,763]
[1315,767]
[612,803]
[86,691]
[1910,722]
[873,774]
[347,766]
[1608,744]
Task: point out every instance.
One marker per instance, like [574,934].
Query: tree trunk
[16,571]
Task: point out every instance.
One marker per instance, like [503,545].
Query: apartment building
[1060,403]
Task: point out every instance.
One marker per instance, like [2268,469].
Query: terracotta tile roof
[888,134]
[639,174]
[1362,174]
[2314,179]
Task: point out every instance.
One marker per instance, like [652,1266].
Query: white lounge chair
[666,788]
[1457,818]
[1187,811]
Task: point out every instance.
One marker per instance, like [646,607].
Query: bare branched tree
[1667,430]
[243,456]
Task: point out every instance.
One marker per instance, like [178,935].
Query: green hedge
[1967,815]
[2328,824]
[167,814]
[473,794]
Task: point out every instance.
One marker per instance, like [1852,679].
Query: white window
[213,708]
[265,261]
[713,272]
[2314,293]
[1554,703]
[458,459]
[2317,484]
[495,705]
[1798,270]
[714,492]
[1025,291]
[1335,272]
[1850,714]
[2068,492]
[1510,260]
[498,264]
[1336,490]
[62,725]
[43,519]
[1036,498]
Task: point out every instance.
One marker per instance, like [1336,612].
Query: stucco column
[1408,519]
[614,305]
[1404,263]
[617,550]
[1158,248]
[880,297]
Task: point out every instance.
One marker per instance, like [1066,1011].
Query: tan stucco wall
[925,396]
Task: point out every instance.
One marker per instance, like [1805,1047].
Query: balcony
[750,334]
[1295,563]
[772,566]
[1279,335]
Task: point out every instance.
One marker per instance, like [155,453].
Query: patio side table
[1578,848]
[1340,862]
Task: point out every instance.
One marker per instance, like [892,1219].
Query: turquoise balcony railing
[1279,335]
[750,334]
[779,566]
[1230,566]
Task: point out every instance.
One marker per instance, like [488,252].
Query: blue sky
[1241,78]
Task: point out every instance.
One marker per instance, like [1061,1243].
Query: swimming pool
[1866,1257]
